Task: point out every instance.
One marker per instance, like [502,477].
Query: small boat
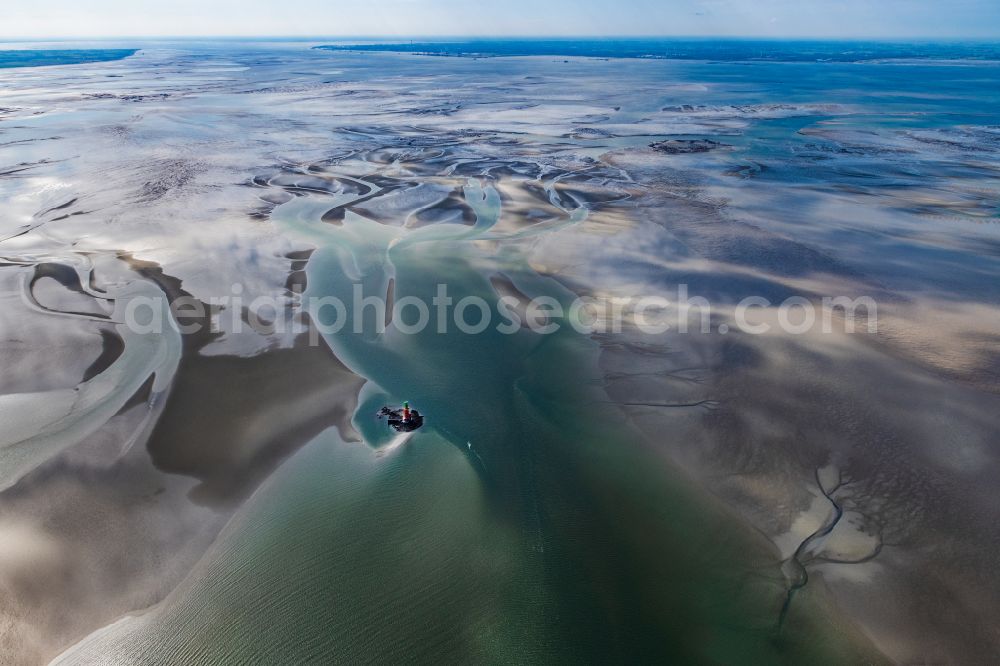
[402,420]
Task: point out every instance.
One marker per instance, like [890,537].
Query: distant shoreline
[16,58]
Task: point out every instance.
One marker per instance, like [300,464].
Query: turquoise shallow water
[523,523]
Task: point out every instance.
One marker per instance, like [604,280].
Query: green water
[526,522]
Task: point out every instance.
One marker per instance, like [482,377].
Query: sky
[20,19]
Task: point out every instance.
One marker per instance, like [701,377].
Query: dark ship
[402,420]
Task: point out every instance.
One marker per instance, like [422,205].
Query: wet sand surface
[226,494]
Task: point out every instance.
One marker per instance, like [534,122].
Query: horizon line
[439,37]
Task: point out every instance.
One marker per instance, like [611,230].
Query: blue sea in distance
[718,50]
[727,50]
